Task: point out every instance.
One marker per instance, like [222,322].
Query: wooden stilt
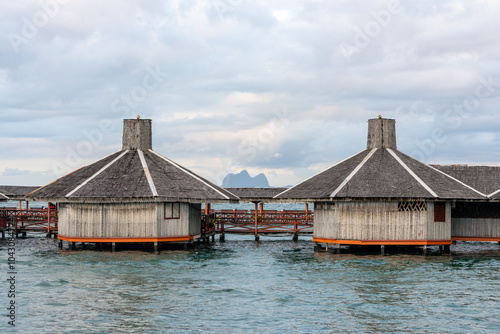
[185,245]
[425,250]
[382,250]
[295,237]
[60,244]
[222,237]
[337,248]
[447,249]
[48,219]
[113,246]
[73,245]
[156,247]
[256,221]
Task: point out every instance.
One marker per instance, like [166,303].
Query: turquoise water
[242,286]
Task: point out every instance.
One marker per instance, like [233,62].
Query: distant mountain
[244,180]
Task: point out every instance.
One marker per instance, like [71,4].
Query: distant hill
[244,180]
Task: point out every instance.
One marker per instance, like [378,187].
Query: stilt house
[472,221]
[381,196]
[133,195]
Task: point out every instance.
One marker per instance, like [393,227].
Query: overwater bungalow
[472,221]
[133,195]
[381,196]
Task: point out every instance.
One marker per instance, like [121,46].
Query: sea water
[242,286]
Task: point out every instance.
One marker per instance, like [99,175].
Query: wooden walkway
[28,220]
[258,222]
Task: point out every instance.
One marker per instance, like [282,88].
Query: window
[324,206]
[412,206]
[440,212]
[172,210]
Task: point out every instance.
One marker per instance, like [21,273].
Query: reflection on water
[241,286]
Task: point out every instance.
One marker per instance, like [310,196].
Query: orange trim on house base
[161,239]
[497,239]
[384,242]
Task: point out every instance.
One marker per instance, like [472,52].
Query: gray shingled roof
[16,192]
[255,193]
[380,173]
[3,197]
[485,179]
[128,176]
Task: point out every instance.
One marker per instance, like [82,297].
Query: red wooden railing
[43,220]
[268,222]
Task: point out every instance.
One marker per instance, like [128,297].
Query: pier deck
[268,222]
[29,220]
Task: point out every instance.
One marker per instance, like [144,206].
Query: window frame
[439,212]
[169,211]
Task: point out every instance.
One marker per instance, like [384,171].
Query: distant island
[244,180]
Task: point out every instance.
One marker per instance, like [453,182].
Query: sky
[282,87]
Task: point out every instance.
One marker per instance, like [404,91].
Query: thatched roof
[380,172]
[132,175]
[255,193]
[16,192]
[485,179]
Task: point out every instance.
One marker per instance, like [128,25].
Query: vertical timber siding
[112,220]
[378,221]
[439,230]
[194,219]
[475,227]
[183,226]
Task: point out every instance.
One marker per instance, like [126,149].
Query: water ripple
[240,286]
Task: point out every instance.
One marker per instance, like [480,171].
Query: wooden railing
[43,220]
[266,222]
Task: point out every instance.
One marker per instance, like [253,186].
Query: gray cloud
[228,65]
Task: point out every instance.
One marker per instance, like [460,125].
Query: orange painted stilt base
[128,240]
[475,239]
[384,242]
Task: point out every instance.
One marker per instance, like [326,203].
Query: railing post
[256,221]
[48,221]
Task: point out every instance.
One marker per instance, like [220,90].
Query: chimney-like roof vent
[381,133]
[137,134]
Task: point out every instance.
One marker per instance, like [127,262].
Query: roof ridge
[351,175]
[457,180]
[493,193]
[322,171]
[189,173]
[412,173]
[96,174]
[148,174]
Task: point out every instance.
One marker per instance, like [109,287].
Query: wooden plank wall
[127,220]
[183,226]
[379,221]
[194,219]
[475,227]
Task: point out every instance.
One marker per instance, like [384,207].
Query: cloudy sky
[283,87]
